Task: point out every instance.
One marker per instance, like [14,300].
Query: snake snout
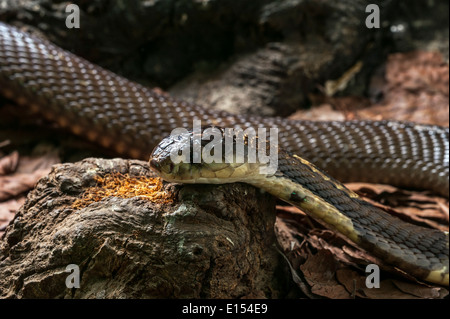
[154,164]
[163,166]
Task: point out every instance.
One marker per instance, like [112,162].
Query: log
[203,242]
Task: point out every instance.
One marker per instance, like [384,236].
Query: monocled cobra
[131,119]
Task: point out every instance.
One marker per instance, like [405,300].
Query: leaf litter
[411,86]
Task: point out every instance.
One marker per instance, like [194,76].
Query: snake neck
[301,184]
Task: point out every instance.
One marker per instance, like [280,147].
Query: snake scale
[132,119]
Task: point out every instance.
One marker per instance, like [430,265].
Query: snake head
[214,156]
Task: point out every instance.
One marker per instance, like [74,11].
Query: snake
[136,121]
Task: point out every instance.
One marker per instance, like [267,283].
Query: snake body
[131,119]
[419,251]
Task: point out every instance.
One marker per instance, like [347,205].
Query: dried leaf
[421,291]
[8,210]
[352,281]
[8,164]
[387,290]
[322,112]
[416,88]
[11,186]
[319,271]
[28,172]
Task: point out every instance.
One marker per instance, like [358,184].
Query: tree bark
[210,242]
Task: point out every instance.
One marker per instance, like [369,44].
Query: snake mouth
[154,164]
[163,167]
